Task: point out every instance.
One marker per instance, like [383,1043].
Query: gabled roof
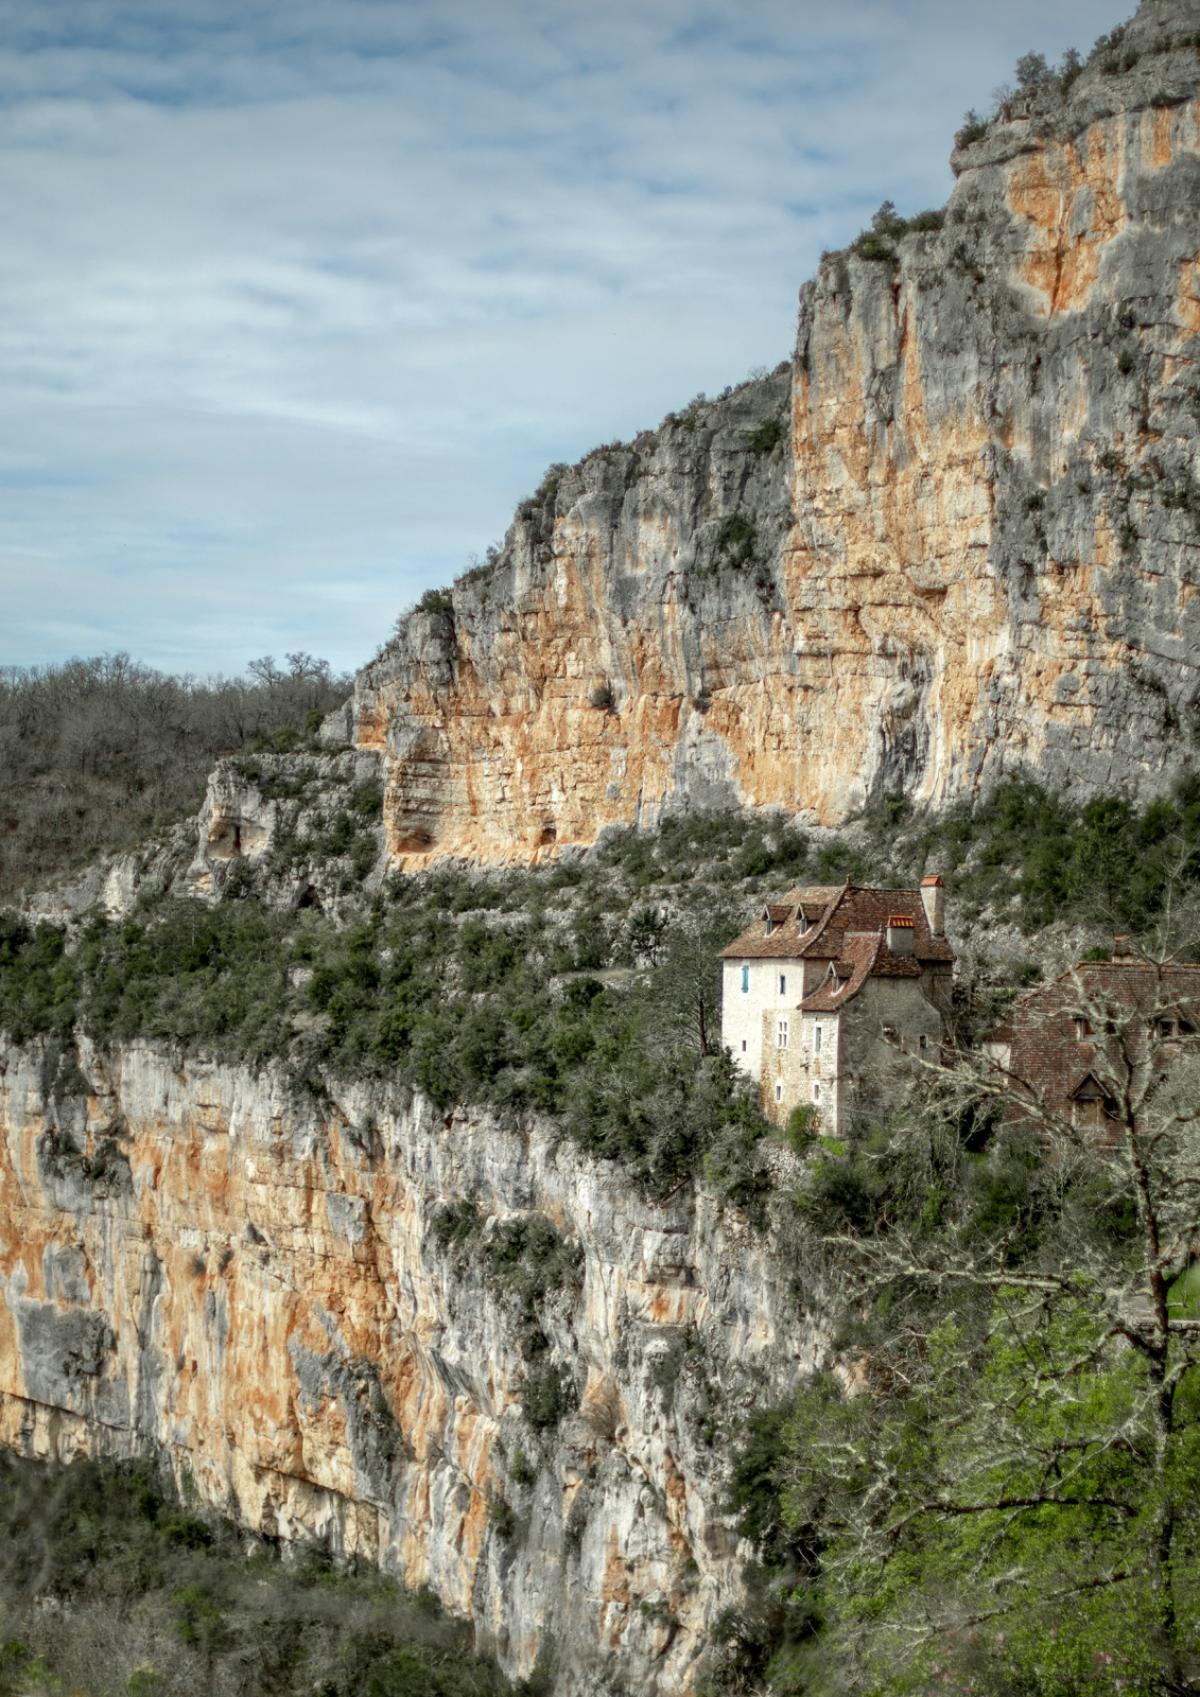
[792,915]
[847,976]
[822,917]
[1130,981]
[1090,1089]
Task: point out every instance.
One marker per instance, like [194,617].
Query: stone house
[1068,1048]
[832,991]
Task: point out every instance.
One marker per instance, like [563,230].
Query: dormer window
[1083,1027]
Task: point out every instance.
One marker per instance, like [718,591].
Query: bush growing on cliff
[39,985]
[888,228]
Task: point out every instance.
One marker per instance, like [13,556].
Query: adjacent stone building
[832,991]
[1080,1048]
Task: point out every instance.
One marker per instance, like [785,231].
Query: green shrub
[973,129]
[802,1127]
[502,1517]
[39,984]
[547,1396]
[736,539]
[767,436]
[437,604]
[520,1469]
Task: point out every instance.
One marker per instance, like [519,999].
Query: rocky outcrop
[957,536]
[299,829]
[298,1301]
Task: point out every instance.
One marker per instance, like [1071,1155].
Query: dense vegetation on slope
[97,754]
[588,990]
[111,1587]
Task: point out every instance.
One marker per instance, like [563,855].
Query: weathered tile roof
[1050,1057]
[793,914]
[822,917]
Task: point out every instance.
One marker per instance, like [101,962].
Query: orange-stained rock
[917,558]
[239,1287]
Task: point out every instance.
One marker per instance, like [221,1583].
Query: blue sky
[298,297]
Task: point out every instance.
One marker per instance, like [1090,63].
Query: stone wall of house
[881,1043]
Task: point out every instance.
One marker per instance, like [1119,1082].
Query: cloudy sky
[298,297]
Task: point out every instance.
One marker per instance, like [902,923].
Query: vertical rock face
[269,1291]
[959,535]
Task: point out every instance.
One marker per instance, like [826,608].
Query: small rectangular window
[816,1092]
[816,1039]
[745,977]
[1083,1027]
[779,1092]
[743,1045]
[781,1037]
[783,983]
[924,1042]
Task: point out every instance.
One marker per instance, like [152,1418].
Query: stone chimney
[933,895]
[899,934]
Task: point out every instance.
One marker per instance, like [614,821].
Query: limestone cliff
[958,535]
[288,1299]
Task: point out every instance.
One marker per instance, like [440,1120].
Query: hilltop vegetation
[98,754]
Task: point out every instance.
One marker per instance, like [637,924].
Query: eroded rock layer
[957,536]
[266,1289]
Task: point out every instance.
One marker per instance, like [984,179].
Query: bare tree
[1024,1439]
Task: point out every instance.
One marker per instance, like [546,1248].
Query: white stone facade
[752,993]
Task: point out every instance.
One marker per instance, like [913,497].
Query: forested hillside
[98,754]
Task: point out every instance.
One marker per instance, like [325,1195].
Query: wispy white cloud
[296,300]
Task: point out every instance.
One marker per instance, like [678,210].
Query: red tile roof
[823,917]
[1052,1058]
